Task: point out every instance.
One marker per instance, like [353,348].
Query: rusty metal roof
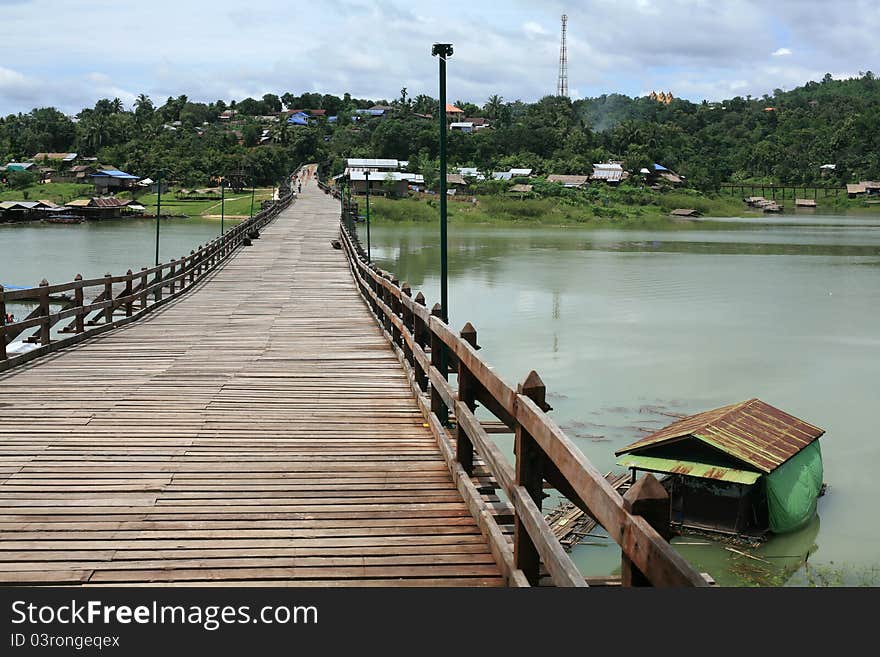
[754,432]
[689,468]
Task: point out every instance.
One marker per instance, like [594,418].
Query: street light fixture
[443,51]
[158,210]
[369,252]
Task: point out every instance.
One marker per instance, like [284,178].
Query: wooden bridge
[281,415]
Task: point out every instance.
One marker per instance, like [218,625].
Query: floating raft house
[740,469]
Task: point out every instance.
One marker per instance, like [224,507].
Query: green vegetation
[784,137]
[55,192]
[597,206]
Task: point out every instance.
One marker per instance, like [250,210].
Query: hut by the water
[743,469]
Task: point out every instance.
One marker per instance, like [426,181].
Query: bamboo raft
[570,524]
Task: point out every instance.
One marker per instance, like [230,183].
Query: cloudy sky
[69,54]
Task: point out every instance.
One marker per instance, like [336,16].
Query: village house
[478,122]
[609,172]
[380,181]
[454,113]
[103,208]
[13,211]
[657,175]
[572,182]
[471,172]
[112,180]
[63,158]
[463,126]
[744,469]
[511,174]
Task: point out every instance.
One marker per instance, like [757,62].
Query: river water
[628,327]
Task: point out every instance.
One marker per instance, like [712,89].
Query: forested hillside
[783,137]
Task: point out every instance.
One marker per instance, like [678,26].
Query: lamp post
[443,51]
[369,252]
[158,210]
[253,191]
[222,204]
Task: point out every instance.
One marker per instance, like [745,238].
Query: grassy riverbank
[624,206]
[557,211]
[237,205]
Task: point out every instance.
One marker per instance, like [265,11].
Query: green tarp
[793,488]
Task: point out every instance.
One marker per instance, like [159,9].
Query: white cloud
[215,49]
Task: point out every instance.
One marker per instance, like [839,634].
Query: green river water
[624,326]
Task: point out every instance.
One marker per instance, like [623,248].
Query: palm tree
[143,103]
[493,106]
[116,106]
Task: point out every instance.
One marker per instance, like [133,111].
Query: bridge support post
[467,393]
[529,475]
[647,498]
[438,361]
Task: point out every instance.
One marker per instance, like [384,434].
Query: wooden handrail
[543,451]
[148,288]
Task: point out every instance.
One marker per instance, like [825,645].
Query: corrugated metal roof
[376,163]
[114,173]
[689,468]
[568,181]
[752,431]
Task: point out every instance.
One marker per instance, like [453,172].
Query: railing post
[108,298]
[395,309]
[158,283]
[143,287]
[3,355]
[646,498]
[127,293]
[200,258]
[420,333]
[44,311]
[438,408]
[171,281]
[529,475]
[464,448]
[407,317]
[79,318]
[192,267]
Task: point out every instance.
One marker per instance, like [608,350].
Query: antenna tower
[562,83]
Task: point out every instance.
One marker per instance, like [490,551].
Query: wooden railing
[429,351]
[141,291]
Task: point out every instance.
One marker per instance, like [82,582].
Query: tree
[271,104]
[20,179]
[493,106]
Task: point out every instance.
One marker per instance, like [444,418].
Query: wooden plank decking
[257,430]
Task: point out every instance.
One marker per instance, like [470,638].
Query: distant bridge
[281,415]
